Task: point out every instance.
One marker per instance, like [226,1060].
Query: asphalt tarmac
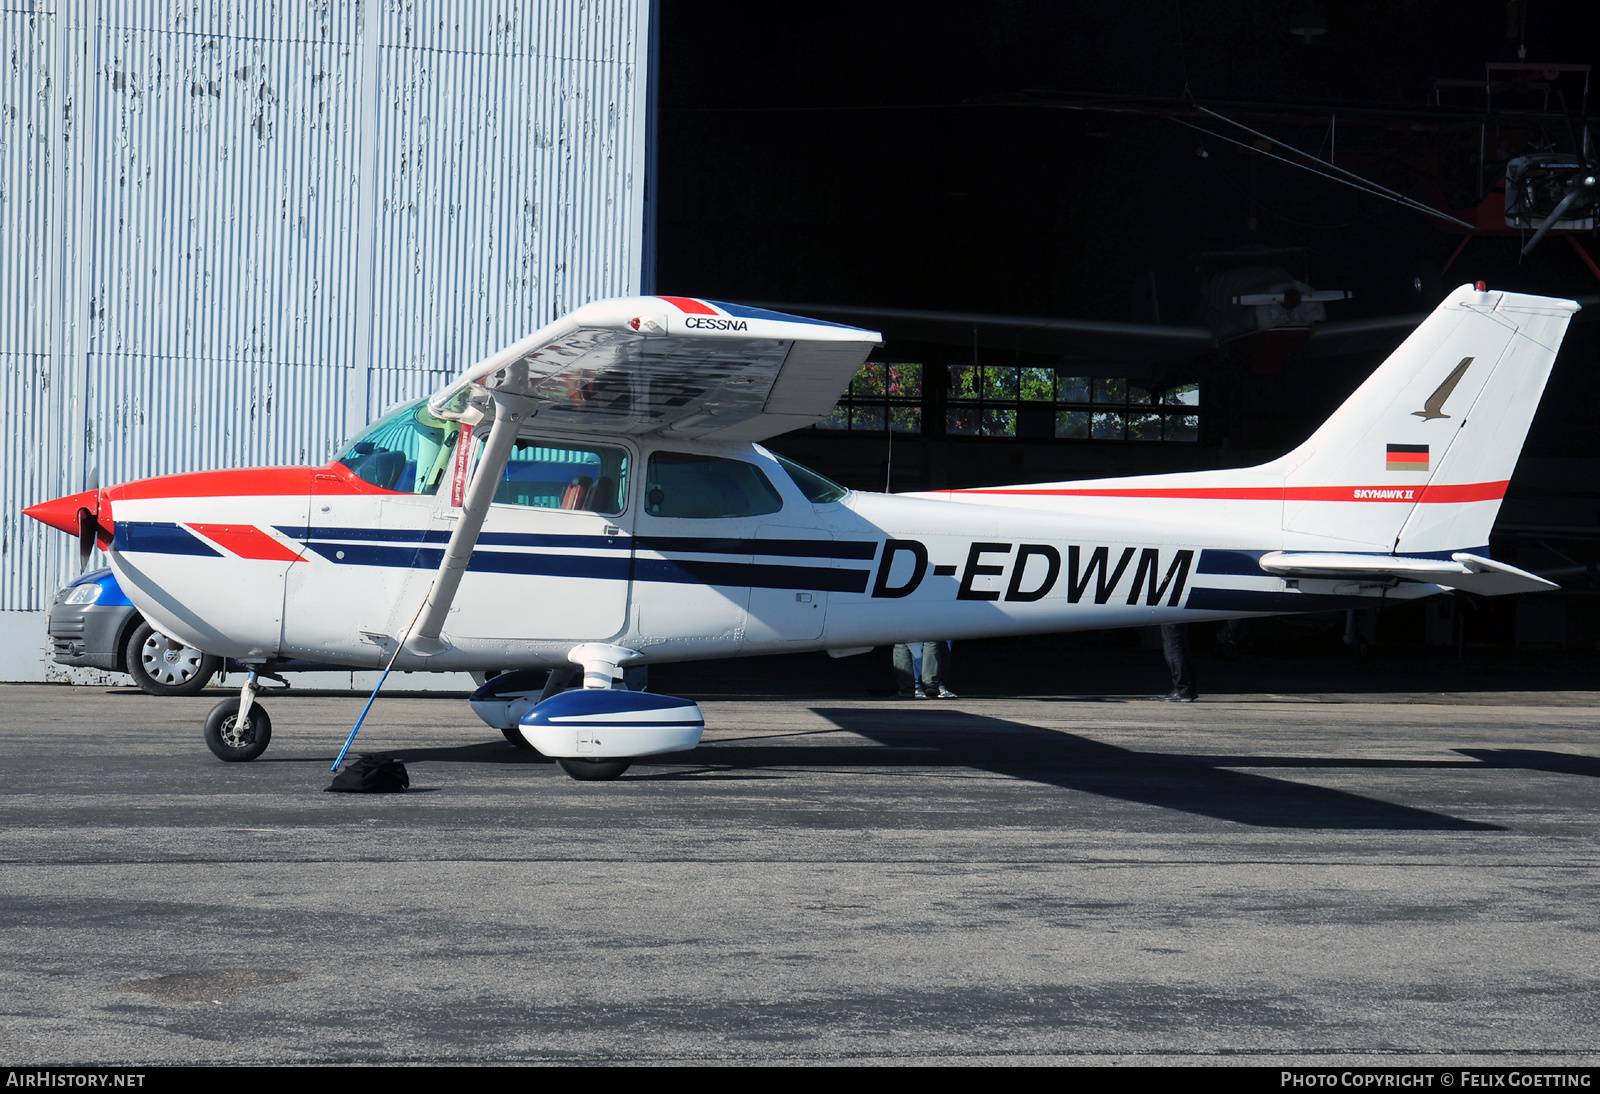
[1311,879]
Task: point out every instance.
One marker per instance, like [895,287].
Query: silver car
[94,625]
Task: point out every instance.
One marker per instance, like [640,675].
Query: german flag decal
[1408,457]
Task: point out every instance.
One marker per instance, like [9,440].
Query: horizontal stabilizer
[1469,573]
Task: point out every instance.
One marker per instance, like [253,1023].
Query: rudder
[1417,459]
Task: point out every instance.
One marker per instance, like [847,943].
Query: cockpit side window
[544,474]
[684,485]
[408,451]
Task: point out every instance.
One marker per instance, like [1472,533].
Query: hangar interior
[965,185]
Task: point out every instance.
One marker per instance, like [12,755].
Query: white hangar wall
[232,232]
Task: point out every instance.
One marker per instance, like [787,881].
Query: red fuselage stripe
[1441,494]
[246,541]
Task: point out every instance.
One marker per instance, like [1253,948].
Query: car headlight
[87,593]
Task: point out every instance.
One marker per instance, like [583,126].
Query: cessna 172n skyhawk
[594,495]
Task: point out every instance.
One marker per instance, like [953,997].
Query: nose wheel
[593,771]
[232,738]
[232,742]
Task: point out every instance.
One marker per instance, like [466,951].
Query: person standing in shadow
[935,663]
[1180,662]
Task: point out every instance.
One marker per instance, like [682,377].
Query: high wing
[1468,572]
[638,365]
[697,368]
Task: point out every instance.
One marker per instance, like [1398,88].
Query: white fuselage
[337,570]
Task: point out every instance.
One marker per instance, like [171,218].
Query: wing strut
[424,637]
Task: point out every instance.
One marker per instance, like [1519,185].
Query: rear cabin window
[590,478]
[682,485]
[817,489]
[407,450]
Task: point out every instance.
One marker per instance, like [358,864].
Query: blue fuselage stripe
[156,538]
[606,567]
[1238,563]
[755,575]
[862,550]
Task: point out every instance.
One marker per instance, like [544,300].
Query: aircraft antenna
[888,464]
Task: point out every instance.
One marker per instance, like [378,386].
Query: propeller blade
[1550,221]
[88,528]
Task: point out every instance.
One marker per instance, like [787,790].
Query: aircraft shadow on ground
[479,752]
[1534,759]
[1199,784]
[1193,784]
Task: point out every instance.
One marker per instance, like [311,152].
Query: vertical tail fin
[1429,441]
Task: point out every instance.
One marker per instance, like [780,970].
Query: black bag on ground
[374,774]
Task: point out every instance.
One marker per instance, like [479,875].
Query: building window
[1025,401]
[884,395]
[1037,401]
[1117,410]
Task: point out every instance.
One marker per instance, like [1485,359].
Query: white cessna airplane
[594,496]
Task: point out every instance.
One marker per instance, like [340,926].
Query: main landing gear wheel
[165,666]
[516,738]
[593,771]
[232,744]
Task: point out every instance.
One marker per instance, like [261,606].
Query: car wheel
[232,744]
[165,666]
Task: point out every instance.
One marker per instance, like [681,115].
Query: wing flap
[1468,572]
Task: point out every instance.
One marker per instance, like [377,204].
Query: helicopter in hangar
[595,497]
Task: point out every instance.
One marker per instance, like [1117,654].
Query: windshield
[817,489]
[407,450]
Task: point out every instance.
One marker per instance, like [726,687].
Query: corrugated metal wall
[233,231]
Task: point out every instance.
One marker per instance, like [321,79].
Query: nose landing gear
[239,730]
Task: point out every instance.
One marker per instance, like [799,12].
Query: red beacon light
[1481,286]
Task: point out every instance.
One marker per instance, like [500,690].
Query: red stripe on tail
[1435,495]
